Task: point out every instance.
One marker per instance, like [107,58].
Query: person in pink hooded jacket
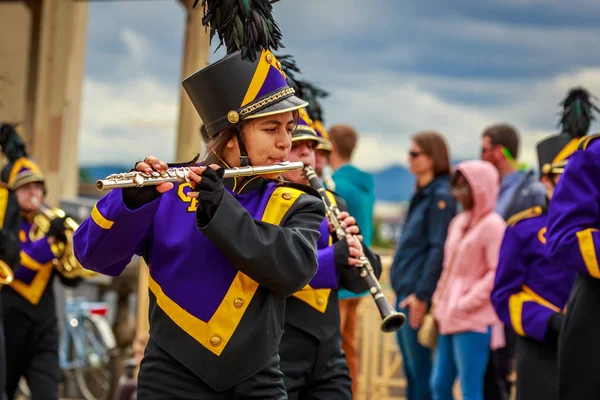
[462,306]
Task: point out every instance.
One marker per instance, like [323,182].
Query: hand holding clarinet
[391,319]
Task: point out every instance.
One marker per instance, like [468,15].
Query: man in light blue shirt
[519,190]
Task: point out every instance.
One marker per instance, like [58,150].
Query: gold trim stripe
[260,74]
[515,306]
[3,204]
[100,220]
[588,251]
[222,325]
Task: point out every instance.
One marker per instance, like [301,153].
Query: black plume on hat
[577,114]
[11,143]
[244,25]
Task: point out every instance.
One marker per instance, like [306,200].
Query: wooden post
[55,82]
[195,57]
[69,160]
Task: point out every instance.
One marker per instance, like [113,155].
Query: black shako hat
[233,89]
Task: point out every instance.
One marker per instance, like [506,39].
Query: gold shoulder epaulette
[585,142]
[529,213]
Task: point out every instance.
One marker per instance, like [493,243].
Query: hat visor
[307,136]
[324,145]
[291,103]
[25,180]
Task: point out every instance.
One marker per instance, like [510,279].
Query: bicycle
[87,350]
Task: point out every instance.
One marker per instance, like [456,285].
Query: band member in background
[10,247]
[223,254]
[531,291]
[30,321]
[312,360]
[519,191]
[573,241]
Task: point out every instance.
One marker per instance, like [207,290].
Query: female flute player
[223,254]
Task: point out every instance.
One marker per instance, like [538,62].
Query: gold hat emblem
[441,204]
[233,117]
[269,58]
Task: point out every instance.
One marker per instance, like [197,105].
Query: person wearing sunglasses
[417,264]
[530,290]
[519,191]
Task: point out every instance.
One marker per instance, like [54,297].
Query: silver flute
[181,174]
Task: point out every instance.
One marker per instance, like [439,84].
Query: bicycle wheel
[96,379]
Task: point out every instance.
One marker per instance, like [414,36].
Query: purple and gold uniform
[30,321]
[531,289]
[312,360]
[530,292]
[217,295]
[574,244]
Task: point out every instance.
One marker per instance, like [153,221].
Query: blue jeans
[464,355]
[416,360]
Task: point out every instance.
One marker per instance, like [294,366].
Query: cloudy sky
[393,68]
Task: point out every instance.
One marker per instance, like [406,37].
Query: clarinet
[391,319]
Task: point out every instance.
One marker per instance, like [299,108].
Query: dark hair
[504,135]
[215,146]
[344,139]
[434,145]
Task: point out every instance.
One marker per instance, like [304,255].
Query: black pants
[496,385]
[537,370]
[578,348]
[162,377]
[314,370]
[32,352]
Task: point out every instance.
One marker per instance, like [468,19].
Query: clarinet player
[312,359]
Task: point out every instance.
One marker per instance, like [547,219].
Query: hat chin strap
[244,160]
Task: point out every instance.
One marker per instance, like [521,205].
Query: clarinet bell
[393,322]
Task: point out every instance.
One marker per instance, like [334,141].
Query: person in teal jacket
[357,188]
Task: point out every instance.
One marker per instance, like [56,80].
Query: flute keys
[139,180]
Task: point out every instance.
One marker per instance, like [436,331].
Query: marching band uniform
[30,321]
[9,253]
[530,290]
[312,360]
[574,244]
[221,267]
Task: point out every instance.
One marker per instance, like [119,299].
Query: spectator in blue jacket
[417,264]
[358,189]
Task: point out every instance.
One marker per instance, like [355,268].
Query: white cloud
[129,119]
[127,122]
[387,112]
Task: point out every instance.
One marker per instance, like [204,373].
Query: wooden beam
[195,57]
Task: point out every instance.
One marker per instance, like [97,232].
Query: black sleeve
[282,258]
[70,282]
[350,276]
